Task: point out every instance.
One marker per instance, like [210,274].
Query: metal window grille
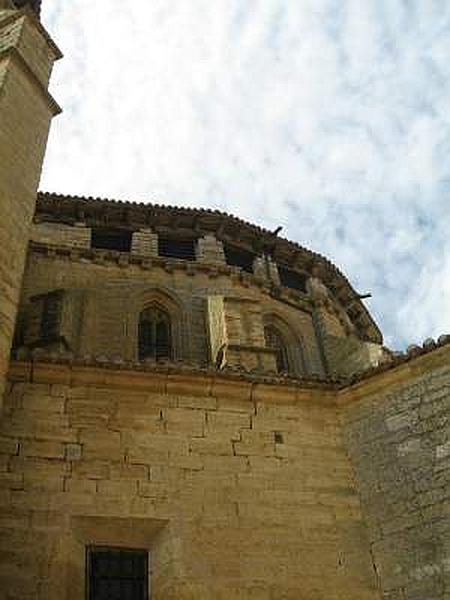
[238,257]
[276,343]
[182,249]
[111,239]
[117,574]
[155,336]
[292,279]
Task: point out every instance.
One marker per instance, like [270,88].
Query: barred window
[275,342]
[155,334]
[171,248]
[117,574]
[106,238]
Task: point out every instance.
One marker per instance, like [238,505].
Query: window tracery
[155,334]
[274,341]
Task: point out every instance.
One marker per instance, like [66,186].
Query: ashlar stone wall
[115,292]
[397,428]
[240,490]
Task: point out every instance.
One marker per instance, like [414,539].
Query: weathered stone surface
[242,516]
[241,488]
[400,450]
[26,60]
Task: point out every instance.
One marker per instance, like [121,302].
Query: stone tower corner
[27,54]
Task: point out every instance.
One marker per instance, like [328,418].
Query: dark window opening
[274,341]
[111,239]
[183,249]
[117,574]
[278,437]
[292,279]
[220,358]
[19,336]
[237,257]
[51,316]
[155,336]
[42,319]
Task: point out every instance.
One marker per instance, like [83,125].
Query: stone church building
[195,408]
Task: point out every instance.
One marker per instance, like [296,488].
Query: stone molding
[291,297]
[15,55]
[15,14]
[195,380]
[174,379]
[12,53]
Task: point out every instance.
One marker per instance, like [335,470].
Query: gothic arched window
[155,334]
[275,342]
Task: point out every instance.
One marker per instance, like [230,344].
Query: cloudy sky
[328,117]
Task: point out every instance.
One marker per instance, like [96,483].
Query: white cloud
[328,117]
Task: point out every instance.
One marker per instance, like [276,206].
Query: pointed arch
[274,340]
[154,333]
[286,343]
[160,325]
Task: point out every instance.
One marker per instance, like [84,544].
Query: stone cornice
[34,5]
[26,11]
[293,298]
[15,55]
[194,380]
[173,379]
[187,221]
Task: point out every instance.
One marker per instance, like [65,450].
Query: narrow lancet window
[275,342]
[155,335]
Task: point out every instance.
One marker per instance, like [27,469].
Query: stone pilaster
[237,334]
[145,243]
[259,269]
[273,271]
[266,270]
[343,352]
[210,251]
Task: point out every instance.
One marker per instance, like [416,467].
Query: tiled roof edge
[396,359]
[314,256]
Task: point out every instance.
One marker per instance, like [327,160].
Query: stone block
[40,403]
[11,481]
[92,469]
[231,423]
[212,445]
[80,486]
[41,449]
[101,445]
[184,420]
[8,445]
